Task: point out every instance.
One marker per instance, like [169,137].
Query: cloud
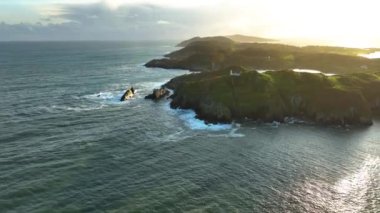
[162,22]
[174,19]
[100,22]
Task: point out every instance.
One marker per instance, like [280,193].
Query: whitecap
[94,101]
[110,97]
[74,108]
[189,117]
[275,124]
[177,136]
[150,85]
[233,133]
[190,120]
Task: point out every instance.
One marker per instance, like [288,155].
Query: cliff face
[273,96]
[215,53]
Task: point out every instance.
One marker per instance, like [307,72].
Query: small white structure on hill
[364,67]
[235,72]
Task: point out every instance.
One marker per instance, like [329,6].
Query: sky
[332,22]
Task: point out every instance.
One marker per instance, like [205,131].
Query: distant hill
[249,39]
[226,39]
[215,53]
[220,39]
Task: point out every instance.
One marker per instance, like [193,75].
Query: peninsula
[232,85]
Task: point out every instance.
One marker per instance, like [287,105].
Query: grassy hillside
[274,95]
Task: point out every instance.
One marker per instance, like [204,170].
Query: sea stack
[128,94]
[158,94]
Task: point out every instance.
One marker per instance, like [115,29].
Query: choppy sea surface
[68,145]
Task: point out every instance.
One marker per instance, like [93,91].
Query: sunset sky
[348,23]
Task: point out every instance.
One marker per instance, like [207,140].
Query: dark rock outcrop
[158,94]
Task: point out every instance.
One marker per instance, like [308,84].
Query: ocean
[68,145]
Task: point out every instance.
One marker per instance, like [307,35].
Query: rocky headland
[277,95]
[230,87]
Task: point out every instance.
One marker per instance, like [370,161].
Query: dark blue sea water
[68,145]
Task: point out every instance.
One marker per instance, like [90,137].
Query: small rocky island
[229,87]
[128,94]
[158,94]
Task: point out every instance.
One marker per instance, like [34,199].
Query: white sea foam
[111,97]
[275,124]
[150,85]
[177,136]
[233,133]
[96,101]
[80,108]
[189,117]
[106,97]
[190,120]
